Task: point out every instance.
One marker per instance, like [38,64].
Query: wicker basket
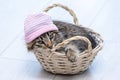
[58,63]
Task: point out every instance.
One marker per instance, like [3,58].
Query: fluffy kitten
[66,30]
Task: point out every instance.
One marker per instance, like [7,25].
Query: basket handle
[71,39]
[66,8]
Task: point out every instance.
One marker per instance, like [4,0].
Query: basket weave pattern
[58,63]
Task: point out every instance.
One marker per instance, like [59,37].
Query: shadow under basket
[58,63]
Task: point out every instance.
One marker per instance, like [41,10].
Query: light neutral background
[16,63]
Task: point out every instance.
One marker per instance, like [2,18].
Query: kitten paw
[72,58]
[70,53]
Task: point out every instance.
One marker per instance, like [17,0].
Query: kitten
[66,30]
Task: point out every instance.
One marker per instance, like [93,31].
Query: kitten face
[47,39]
[43,42]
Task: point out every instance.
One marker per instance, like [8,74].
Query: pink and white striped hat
[36,25]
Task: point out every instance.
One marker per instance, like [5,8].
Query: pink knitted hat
[36,25]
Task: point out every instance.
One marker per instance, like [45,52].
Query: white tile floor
[101,15]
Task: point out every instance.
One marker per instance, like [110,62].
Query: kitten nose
[49,45]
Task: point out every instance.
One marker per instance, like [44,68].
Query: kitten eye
[52,35]
[39,40]
[48,33]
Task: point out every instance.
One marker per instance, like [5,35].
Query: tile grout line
[17,59]
[12,41]
[54,77]
[100,10]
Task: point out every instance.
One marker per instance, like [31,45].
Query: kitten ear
[30,45]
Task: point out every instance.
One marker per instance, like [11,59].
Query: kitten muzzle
[49,45]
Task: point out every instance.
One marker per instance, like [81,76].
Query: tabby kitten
[66,30]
